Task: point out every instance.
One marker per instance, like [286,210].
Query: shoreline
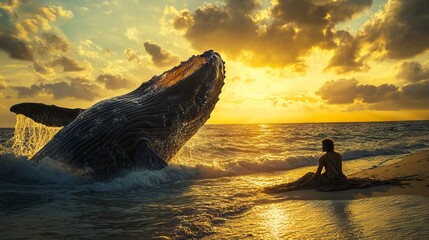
[415,166]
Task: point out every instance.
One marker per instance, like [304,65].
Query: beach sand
[415,167]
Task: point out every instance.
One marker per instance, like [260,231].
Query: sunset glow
[286,61]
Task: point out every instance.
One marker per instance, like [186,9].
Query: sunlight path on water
[30,136]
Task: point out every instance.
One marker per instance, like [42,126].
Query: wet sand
[415,167]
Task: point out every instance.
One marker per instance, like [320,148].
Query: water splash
[30,136]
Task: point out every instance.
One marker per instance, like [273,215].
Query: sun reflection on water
[276,221]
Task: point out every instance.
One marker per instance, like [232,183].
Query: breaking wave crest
[20,170]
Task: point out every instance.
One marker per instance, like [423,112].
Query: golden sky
[286,60]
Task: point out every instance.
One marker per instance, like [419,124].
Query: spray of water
[29,136]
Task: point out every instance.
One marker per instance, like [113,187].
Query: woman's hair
[328,145]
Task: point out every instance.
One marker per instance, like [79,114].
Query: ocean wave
[18,169]
[391,150]
[356,154]
[137,179]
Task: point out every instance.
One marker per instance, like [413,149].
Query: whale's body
[143,128]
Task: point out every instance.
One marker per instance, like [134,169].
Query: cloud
[383,97]
[400,31]
[133,56]
[346,56]
[9,5]
[292,29]
[69,65]
[21,31]
[167,20]
[62,89]
[413,71]
[184,21]
[43,69]
[51,43]
[89,49]
[160,57]
[16,48]
[40,21]
[114,81]
[346,91]
[132,34]
[418,91]
[48,14]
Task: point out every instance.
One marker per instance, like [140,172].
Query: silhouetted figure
[333,179]
[333,174]
[332,162]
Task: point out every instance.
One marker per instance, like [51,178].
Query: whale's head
[193,86]
[179,101]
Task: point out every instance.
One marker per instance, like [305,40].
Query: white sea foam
[227,151]
[30,136]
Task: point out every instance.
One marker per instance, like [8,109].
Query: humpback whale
[141,129]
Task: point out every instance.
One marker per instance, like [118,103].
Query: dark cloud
[385,96]
[316,12]
[114,81]
[419,91]
[16,48]
[42,69]
[60,90]
[346,91]
[20,27]
[159,56]
[401,31]
[342,91]
[346,57]
[26,92]
[69,65]
[50,42]
[293,28]
[184,21]
[413,71]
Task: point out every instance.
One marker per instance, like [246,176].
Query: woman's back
[333,166]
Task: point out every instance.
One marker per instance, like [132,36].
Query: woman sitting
[333,179]
[331,161]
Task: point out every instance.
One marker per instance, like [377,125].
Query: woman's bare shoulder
[323,157]
[337,155]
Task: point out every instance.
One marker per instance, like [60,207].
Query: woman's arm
[318,171]
[319,168]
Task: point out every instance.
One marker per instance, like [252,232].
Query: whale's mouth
[182,71]
[205,69]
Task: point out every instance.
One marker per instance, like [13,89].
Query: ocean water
[212,189]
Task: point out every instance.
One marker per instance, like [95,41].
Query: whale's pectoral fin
[146,157]
[49,115]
